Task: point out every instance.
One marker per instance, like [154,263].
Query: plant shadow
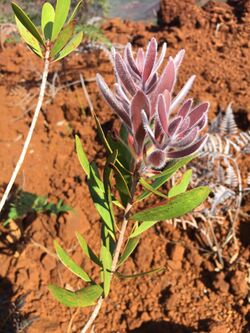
[6,293]
[162,327]
[12,317]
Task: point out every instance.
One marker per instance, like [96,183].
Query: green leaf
[82,156]
[121,184]
[182,186]
[70,47]
[124,154]
[96,188]
[107,170]
[48,16]
[97,192]
[26,22]
[29,38]
[175,207]
[118,203]
[81,298]
[103,138]
[130,247]
[106,260]
[164,176]
[107,182]
[141,228]
[61,13]
[63,38]
[151,188]
[73,15]
[173,166]
[70,264]
[87,250]
[132,276]
[101,133]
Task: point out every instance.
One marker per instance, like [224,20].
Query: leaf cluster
[56,34]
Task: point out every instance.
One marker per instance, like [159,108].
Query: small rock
[172,301]
[239,284]
[220,284]
[177,252]
[174,265]
[54,114]
[218,328]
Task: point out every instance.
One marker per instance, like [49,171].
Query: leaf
[73,15]
[104,140]
[141,228]
[101,133]
[121,183]
[164,176]
[106,260]
[175,207]
[82,156]
[107,184]
[70,264]
[124,154]
[174,165]
[132,276]
[130,247]
[29,38]
[97,192]
[107,240]
[63,38]
[107,169]
[61,13]
[48,16]
[182,186]
[96,188]
[26,22]
[87,250]
[81,298]
[117,203]
[151,189]
[70,47]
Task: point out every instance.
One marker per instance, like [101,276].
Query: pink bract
[160,126]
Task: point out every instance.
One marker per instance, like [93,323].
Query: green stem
[117,250]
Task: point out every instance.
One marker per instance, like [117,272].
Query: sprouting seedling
[152,145]
[53,41]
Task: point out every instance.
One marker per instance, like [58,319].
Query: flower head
[143,100]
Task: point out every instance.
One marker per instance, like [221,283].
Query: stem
[93,315]
[117,252]
[30,133]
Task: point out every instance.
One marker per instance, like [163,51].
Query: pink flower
[143,100]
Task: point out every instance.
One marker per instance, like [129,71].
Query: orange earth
[189,296]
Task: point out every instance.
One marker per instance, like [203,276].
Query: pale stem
[30,133]
[116,255]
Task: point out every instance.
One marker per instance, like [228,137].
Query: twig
[43,248]
[86,94]
[30,133]
[69,329]
[93,315]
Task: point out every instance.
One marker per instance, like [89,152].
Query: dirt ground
[190,296]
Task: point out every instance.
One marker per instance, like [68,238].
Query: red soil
[190,296]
